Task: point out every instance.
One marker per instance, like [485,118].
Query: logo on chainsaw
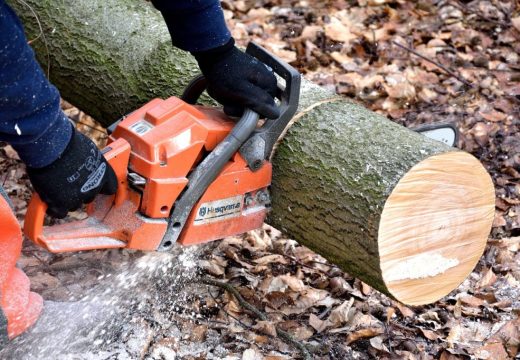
[202,211]
[219,210]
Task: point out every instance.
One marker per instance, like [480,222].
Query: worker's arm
[30,116]
[65,167]
[195,25]
[235,79]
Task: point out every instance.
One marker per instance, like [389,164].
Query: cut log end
[434,227]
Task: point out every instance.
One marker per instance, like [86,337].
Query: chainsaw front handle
[206,172]
[260,144]
[116,154]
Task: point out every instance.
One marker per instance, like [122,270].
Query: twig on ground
[285,336]
[7,173]
[439,65]
[244,325]
[105,136]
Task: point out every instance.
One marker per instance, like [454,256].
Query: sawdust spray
[119,317]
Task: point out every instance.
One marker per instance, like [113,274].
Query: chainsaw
[186,173]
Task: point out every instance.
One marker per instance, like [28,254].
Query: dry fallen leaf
[429,334]
[341,314]
[311,32]
[454,335]
[397,86]
[212,267]
[198,333]
[487,279]
[404,310]
[492,351]
[270,259]
[516,23]
[318,324]
[378,343]
[493,115]
[363,334]
[266,327]
[336,31]
[509,335]
[470,300]
[449,356]
[431,318]
[285,282]
[306,299]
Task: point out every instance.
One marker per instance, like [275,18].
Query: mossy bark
[333,171]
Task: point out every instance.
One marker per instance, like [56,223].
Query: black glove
[238,80]
[75,178]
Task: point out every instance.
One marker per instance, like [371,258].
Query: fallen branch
[284,335]
[439,65]
[245,326]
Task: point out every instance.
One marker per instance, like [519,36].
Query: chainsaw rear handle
[116,154]
[260,144]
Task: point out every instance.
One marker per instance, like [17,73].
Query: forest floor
[416,62]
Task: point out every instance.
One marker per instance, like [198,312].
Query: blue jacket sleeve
[194,25]
[30,116]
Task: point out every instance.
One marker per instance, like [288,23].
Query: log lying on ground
[407,215]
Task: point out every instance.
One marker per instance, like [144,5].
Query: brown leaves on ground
[335,314]
[468,75]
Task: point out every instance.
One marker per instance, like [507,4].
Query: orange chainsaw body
[152,152]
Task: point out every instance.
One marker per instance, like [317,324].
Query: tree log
[407,215]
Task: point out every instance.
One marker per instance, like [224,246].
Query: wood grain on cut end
[434,227]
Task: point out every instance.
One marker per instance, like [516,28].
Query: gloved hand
[75,178]
[238,80]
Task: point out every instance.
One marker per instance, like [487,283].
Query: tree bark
[335,171]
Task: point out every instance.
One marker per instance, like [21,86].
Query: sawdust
[419,267]
[112,320]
